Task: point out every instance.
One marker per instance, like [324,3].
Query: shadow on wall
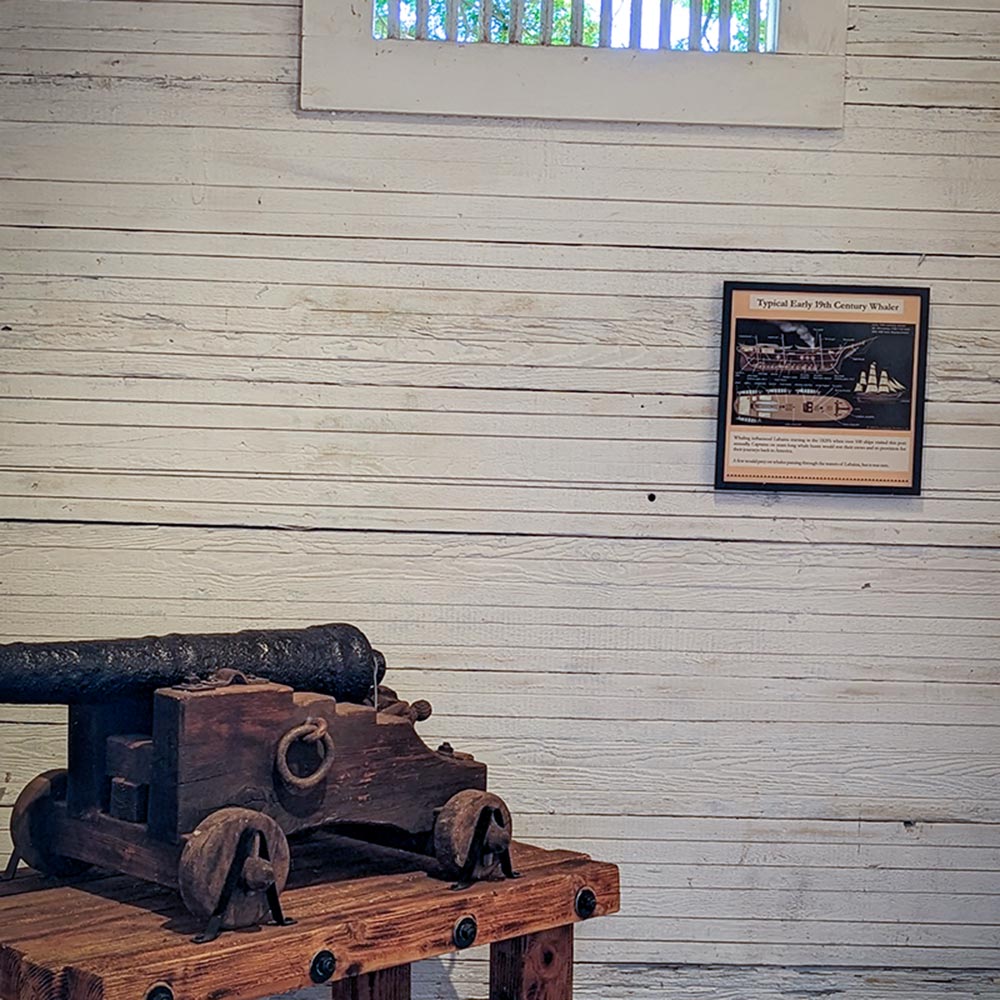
[432,980]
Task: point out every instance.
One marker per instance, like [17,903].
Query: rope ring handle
[310,731]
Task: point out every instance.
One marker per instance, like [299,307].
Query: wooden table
[105,937]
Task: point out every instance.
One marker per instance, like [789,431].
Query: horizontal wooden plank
[965,281]
[441,340]
[214,157]
[780,842]
[382,265]
[651,409]
[143,38]
[592,981]
[165,16]
[633,414]
[252,500]
[901,130]
[143,66]
[915,31]
[926,93]
[612,415]
[489,304]
[731,951]
[541,559]
[546,461]
[539,220]
[969,639]
[960,385]
[557,601]
[627,930]
[681,631]
[138,413]
[646,629]
[512,511]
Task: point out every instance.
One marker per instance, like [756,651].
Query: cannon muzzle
[329,659]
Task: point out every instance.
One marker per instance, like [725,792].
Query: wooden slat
[423,12]
[485,20]
[680,982]
[576,22]
[635,24]
[533,966]
[725,25]
[516,29]
[386,984]
[773,25]
[547,11]
[124,963]
[243,159]
[666,16]
[451,20]
[254,106]
[393,19]
[753,26]
[694,25]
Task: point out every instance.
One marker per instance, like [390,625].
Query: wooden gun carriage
[187,769]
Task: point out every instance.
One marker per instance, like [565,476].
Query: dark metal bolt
[586,903]
[323,965]
[160,992]
[465,932]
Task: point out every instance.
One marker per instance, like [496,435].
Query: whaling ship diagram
[792,407]
[765,357]
[878,386]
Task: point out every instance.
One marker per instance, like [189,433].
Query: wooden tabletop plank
[112,938]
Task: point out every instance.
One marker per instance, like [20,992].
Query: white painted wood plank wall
[454,381]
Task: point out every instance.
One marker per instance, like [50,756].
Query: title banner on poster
[822,388]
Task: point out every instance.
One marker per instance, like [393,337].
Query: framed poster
[821,388]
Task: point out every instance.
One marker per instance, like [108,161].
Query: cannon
[192,759]
[337,660]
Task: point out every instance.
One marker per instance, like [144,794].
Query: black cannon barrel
[329,659]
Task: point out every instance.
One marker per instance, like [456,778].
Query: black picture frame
[784,364]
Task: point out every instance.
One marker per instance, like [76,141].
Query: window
[781,62]
[703,25]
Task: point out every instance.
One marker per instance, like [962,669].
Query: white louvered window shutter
[678,25]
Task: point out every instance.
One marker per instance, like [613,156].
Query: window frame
[800,85]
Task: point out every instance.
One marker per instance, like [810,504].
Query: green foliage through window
[469,13]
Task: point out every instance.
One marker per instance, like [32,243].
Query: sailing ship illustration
[878,386]
[814,357]
[792,407]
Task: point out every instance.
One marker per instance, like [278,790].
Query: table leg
[386,984]
[533,967]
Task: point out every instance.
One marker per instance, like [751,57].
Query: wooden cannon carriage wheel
[233,868]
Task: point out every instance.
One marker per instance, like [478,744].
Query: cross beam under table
[362,913]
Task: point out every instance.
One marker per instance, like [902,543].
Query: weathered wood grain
[460,977]
[373,914]
[386,984]
[249,105]
[533,966]
[808,684]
